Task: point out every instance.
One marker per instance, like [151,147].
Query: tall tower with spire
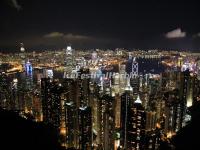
[134,81]
[133,120]
[136,125]
[22,55]
[134,70]
[68,62]
[126,103]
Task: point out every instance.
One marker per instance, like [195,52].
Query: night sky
[43,24]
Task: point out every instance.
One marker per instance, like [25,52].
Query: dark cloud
[68,36]
[16,5]
[93,24]
[197,35]
[54,35]
[71,36]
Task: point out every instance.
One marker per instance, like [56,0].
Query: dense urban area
[103,99]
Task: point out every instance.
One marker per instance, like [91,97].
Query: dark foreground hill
[19,133]
[188,137]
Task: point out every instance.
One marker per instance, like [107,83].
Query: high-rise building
[14,94]
[68,62]
[117,111]
[132,123]
[198,69]
[72,128]
[70,90]
[196,89]
[28,67]
[126,100]
[150,120]
[173,112]
[134,82]
[51,101]
[22,55]
[185,95]
[94,58]
[75,96]
[122,77]
[85,128]
[136,126]
[134,78]
[108,122]
[28,101]
[83,87]
[5,102]
[180,62]
[95,99]
[134,70]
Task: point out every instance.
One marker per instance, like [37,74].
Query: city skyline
[140,25]
[99,75]
[112,100]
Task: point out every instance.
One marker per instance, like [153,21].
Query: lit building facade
[51,102]
[68,62]
[85,128]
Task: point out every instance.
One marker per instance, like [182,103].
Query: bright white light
[189,102]
[22,49]
[138,100]
[49,73]
[69,48]
[15,80]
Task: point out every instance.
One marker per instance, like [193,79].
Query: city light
[106,76]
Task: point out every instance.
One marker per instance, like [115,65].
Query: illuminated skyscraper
[196,89]
[117,111]
[134,80]
[68,62]
[27,83]
[76,101]
[134,70]
[108,122]
[126,100]
[22,55]
[180,62]
[14,95]
[136,126]
[72,127]
[85,128]
[133,123]
[94,96]
[150,120]
[173,112]
[28,67]
[4,91]
[184,91]
[94,58]
[198,69]
[69,93]
[122,77]
[51,101]
[83,87]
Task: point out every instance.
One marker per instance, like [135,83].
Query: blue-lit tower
[28,67]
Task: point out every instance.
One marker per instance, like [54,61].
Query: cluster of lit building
[102,100]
